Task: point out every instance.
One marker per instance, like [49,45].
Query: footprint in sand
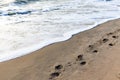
[91,47]
[113,33]
[105,40]
[95,51]
[81,60]
[83,63]
[115,37]
[79,57]
[111,44]
[94,48]
[97,44]
[58,67]
[57,72]
[54,75]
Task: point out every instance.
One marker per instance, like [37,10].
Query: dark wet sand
[90,55]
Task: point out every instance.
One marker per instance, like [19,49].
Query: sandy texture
[90,55]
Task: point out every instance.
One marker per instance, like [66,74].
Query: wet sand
[90,55]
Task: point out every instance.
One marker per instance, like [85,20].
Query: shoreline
[23,52]
[40,64]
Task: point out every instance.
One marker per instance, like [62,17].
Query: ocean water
[29,25]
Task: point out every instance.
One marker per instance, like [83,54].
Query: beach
[90,55]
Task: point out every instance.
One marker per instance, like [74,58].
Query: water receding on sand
[28,25]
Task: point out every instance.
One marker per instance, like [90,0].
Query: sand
[90,55]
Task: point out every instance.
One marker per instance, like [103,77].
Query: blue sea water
[29,25]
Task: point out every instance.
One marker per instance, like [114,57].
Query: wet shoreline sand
[89,55]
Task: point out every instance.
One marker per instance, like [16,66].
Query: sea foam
[31,26]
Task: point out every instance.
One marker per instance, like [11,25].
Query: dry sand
[91,55]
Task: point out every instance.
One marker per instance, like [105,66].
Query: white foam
[49,22]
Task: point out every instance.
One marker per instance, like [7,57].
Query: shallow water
[28,25]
